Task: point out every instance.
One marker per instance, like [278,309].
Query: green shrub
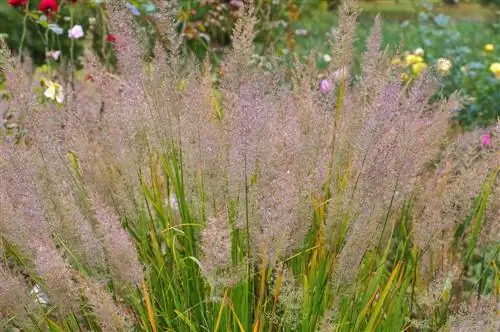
[458,41]
[490,2]
[205,26]
[30,30]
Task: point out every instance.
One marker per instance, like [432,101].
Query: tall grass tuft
[179,197]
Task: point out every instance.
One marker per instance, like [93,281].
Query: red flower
[17,3]
[111,38]
[48,6]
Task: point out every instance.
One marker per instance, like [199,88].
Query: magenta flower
[325,86]
[486,139]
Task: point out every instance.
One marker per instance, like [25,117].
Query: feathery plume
[58,284]
[479,315]
[121,252]
[15,301]
[216,246]
[343,40]
[102,304]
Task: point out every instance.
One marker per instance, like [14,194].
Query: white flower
[327,58]
[419,51]
[92,20]
[39,296]
[205,36]
[54,92]
[55,29]
[443,66]
[50,92]
[75,32]
[301,32]
[54,55]
[281,23]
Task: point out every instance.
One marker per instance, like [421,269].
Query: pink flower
[486,139]
[325,86]
[75,32]
[237,3]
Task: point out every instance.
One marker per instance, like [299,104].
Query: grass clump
[167,200]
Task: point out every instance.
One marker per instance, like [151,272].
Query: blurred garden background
[462,37]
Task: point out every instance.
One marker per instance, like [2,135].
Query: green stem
[23,36]
[72,41]
[72,48]
[106,53]
[46,43]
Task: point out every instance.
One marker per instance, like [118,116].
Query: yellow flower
[443,66]
[418,68]
[405,77]
[43,69]
[396,62]
[489,48]
[495,69]
[411,59]
[54,91]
